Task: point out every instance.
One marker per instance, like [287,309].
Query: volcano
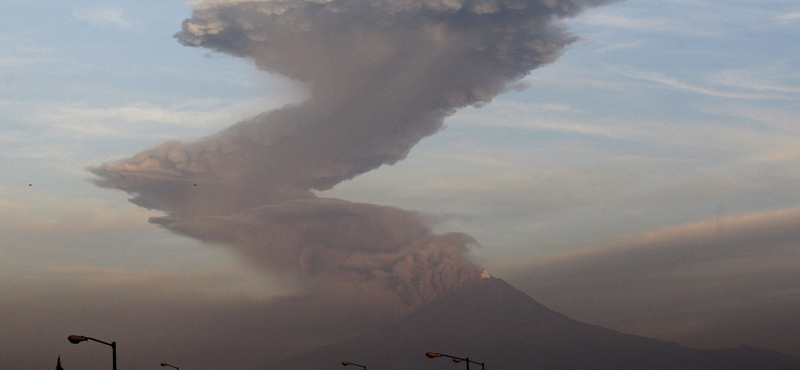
[493,323]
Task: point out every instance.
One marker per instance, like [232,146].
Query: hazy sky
[647,180]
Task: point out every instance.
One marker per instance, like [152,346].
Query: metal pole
[114,353]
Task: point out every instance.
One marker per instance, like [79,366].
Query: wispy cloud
[789,17]
[81,120]
[40,217]
[670,18]
[102,17]
[675,83]
[616,20]
[784,120]
[759,80]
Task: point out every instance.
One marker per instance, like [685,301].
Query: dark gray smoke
[382,75]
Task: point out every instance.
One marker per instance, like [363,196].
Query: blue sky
[666,120]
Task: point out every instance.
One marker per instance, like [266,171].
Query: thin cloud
[621,46]
[78,120]
[789,17]
[627,22]
[67,220]
[782,119]
[675,83]
[768,79]
[674,20]
[21,61]
[102,17]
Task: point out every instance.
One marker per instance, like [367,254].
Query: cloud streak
[102,17]
[779,93]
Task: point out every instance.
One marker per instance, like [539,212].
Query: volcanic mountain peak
[493,323]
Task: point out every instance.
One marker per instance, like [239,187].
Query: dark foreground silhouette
[494,323]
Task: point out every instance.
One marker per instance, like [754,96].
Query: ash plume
[382,75]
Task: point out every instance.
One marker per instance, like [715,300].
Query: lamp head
[163,364]
[433,354]
[346,363]
[457,360]
[75,339]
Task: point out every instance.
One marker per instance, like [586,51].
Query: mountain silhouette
[493,323]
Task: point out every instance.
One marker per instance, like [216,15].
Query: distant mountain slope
[494,323]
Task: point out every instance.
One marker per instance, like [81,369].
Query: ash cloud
[382,75]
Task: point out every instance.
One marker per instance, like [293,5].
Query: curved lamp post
[455,359]
[166,364]
[350,363]
[75,339]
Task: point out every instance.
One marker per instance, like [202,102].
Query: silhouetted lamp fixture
[455,359]
[75,339]
[350,363]
[166,364]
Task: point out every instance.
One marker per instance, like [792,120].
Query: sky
[636,168]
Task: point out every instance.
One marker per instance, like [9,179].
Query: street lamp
[455,359]
[75,339]
[166,364]
[350,363]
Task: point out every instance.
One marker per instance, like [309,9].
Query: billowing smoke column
[382,75]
